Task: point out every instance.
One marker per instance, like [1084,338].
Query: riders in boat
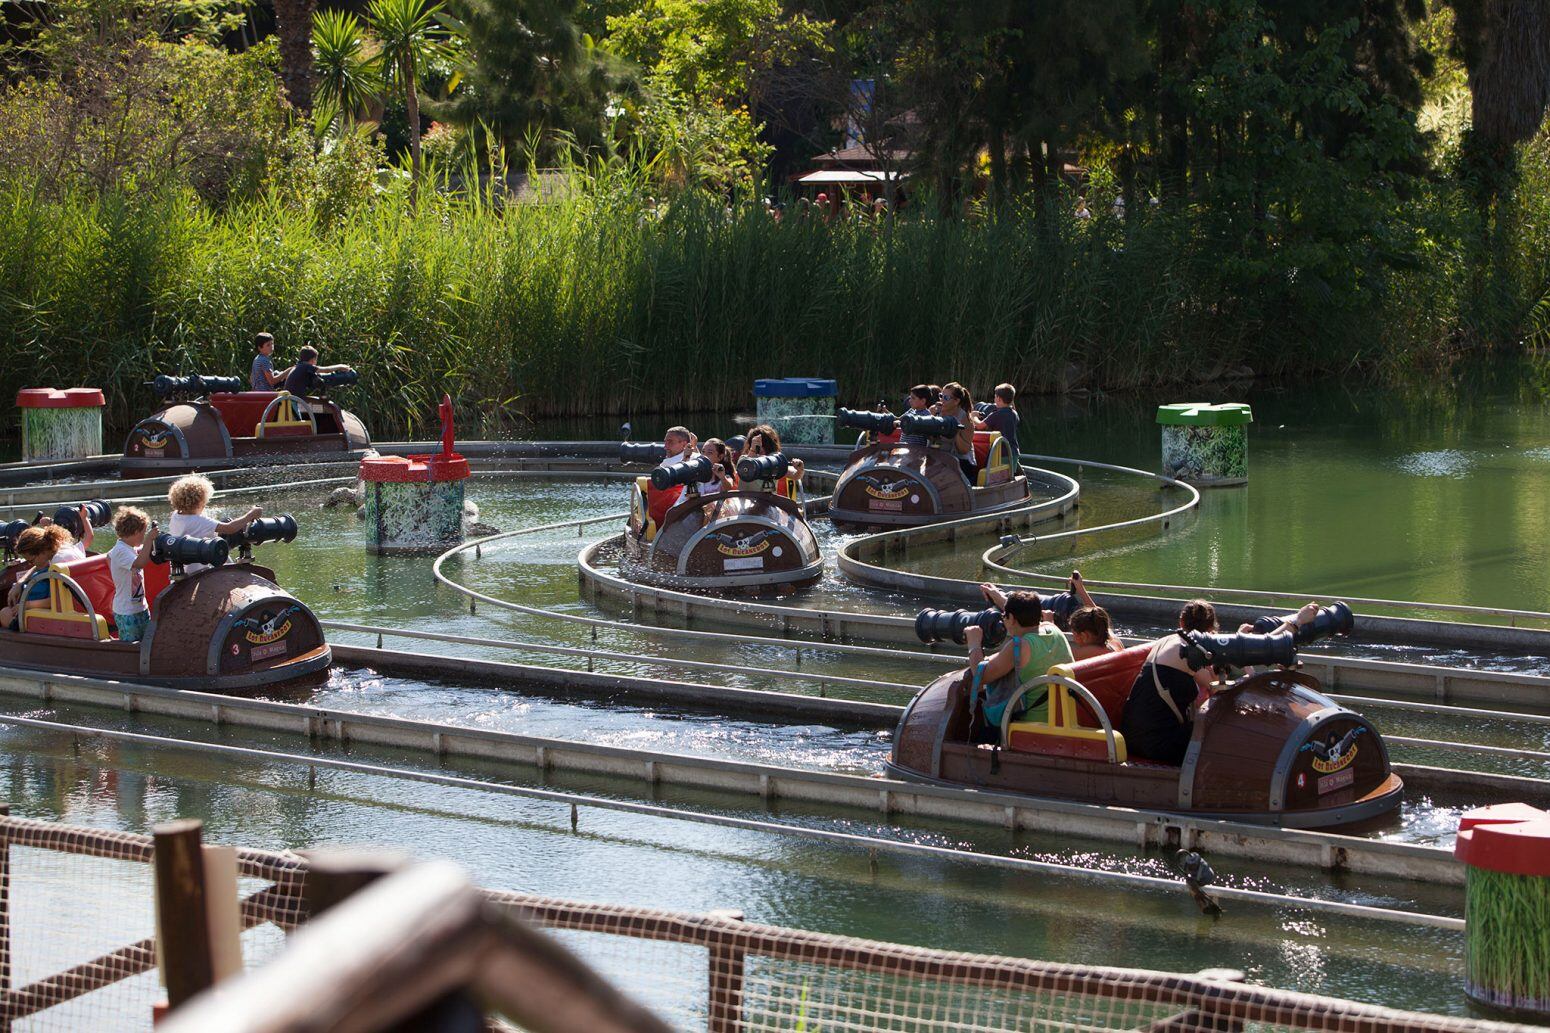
[764,440]
[1033,646]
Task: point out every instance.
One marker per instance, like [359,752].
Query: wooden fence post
[726,981]
[5,924]
[182,919]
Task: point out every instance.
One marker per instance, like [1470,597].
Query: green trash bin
[1206,444]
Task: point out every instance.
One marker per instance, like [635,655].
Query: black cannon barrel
[68,516]
[941,625]
[337,378]
[647,452]
[913,422]
[861,419]
[697,470]
[280,528]
[9,532]
[1244,649]
[762,468]
[182,549]
[193,384]
[1334,619]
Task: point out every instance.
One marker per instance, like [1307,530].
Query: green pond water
[1442,497]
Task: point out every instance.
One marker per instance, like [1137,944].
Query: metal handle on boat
[296,400]
[69,582]
[1076,687]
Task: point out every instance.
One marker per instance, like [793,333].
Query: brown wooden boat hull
[229,629]
[191,436]
[908,485]
[1258,754]
[739,539]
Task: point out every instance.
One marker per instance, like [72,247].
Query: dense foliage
[1099,194]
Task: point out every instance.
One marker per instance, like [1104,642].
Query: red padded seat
[242,411]
[96,580]
[1109,678]
[659,501]
[981,448]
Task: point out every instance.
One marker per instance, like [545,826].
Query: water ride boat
[1267,749]
[755,537]
[888,483]
[227,627]
[210,423]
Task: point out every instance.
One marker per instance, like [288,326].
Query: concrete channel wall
[892,800]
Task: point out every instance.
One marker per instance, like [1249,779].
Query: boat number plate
[1339,780]
[887,505]
[744,563]
[278,649]
[154,453]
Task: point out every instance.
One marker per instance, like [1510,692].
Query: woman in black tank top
[1159,718]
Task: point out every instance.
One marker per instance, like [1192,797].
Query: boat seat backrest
[96,579]
[1109,678]
[242,410]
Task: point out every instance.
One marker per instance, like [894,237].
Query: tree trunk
[412,109]
[998,173]
[293,27]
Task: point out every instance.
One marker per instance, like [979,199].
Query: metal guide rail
[892,799]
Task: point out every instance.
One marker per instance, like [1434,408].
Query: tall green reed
[599,302]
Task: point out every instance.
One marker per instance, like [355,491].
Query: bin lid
[1509,837]
[794,387]
[412,469]
[1205,414]
[52,398]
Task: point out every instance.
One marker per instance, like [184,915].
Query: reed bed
[596,304]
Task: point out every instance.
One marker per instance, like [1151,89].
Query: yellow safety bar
[61,605]
[1061,721]
[287,413]
[641,508]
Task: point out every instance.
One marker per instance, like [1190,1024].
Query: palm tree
[347,75]
[411,37]
[293,26]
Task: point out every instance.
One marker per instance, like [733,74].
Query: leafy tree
[527,68]
[713,50]
[347,73]
[412,38]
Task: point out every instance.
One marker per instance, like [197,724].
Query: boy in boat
[1003,418]
[921,398]
[188,497]
[262,375]
[127,560]
[301,378]
[38,546]
[1033,646]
